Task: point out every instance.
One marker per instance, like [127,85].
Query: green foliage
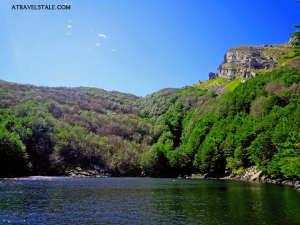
[211,83]
[232,85]
[240,100]
[211,158]
[194,133]
[169,133]
[155,161]
[13,156]
[75,147]
[262,150]
[158,103]
[258,108]
[296,43]
[287,161]
[239,135]
[173,122]
[254,120]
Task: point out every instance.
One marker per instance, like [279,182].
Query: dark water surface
[61,200]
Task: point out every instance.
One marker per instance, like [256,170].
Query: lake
[66,200]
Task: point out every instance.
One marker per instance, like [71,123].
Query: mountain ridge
[216,127]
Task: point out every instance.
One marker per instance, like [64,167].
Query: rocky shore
[252,174]
[92,172]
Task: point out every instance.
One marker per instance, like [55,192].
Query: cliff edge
[246,61]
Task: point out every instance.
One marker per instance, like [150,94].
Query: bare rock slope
[245,61]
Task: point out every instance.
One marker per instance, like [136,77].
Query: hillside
[247,114]
[93,99]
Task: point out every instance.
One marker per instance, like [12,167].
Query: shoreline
[295,184]
[253,175]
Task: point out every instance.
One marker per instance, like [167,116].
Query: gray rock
[212,76]
[278,181]
[242,61]
[294,39]
[256,176]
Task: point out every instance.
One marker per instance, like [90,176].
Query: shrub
[258,107]
[13,157]
[262,150]
[275,87]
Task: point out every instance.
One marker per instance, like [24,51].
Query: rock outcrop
[242,61]
[91,172]
[212,75]
[245,61]
[295,39]
[252,174]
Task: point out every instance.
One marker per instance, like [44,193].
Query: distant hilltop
[246,61]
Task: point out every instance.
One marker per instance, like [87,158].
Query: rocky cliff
[245,61]
[295,39]
[240,62]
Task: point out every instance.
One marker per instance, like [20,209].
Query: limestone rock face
[242,61]
[294,40]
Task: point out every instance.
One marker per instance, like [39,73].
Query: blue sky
[135,46]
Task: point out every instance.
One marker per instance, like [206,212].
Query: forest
[173,132]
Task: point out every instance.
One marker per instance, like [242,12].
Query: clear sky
[135,46]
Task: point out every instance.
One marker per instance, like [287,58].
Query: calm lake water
[63,200]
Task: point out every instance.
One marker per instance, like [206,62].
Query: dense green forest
[256,121]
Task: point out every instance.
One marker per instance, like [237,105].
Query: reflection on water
[61,200]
